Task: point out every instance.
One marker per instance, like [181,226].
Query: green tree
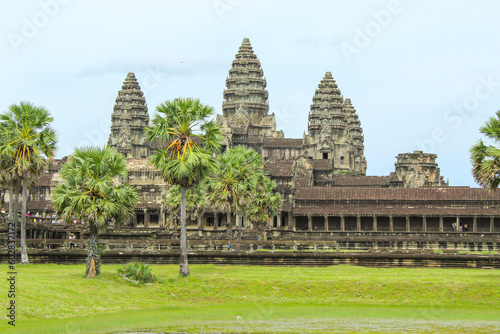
[190,140]
[30,144]
[485,159]
[91,192]
[231,185]
[195,202]
[263,206]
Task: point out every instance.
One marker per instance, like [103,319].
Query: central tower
[245,107]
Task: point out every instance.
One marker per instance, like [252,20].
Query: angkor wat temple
[322,176]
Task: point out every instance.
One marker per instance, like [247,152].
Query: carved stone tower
[129,118]
[357,161]
[417,169]
[245,107]
[334,129]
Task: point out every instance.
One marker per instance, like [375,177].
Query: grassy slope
[47,293]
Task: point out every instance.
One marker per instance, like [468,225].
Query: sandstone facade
[322,176]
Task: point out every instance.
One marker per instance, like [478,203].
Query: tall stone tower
[245,107]
[357,161]
[128,120]
[334,129]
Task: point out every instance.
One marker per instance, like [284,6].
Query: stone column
[474,224]
[309,223]
[408,227]
[358,223]
[294,222]
[238,221]
[326,222]
[162,218]
[492,224]
[441,224]
[216,221]
[278,221]
[391,223]
[200,222]
[424,223]
[146,220]
[457,221]
[375,227]
[290,220]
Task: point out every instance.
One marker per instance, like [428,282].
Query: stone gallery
[321,176]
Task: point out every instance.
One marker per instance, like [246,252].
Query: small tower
[128,120]
[415,170]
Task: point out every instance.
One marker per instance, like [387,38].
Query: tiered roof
[246,85]
[327,106]
[130,115]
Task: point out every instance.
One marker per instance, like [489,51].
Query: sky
[422,75]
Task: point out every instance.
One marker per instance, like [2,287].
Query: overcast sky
[422,75]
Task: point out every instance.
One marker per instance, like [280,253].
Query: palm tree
[263,206]
[232,183]
[485,159]
[190,140]
[195,202]
[30,143]
[90,191]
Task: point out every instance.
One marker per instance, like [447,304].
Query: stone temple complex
[321,176]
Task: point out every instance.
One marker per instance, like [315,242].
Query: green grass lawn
[59,299]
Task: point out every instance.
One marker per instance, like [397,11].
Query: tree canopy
[485,158]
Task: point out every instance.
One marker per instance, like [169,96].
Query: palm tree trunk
[240,227]
[229,226]
[24,250]
[16,204]
[260,235]
[93,261]
[11,204]
[184,267]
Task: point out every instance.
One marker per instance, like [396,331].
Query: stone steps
[266,258]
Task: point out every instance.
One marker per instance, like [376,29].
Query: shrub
[136,273]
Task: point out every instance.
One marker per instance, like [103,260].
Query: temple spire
[128,120]
[246,86]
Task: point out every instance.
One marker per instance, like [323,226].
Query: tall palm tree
[90,191]
[485,159]
[233,182]
[190,141]
[264,205]
[30,143]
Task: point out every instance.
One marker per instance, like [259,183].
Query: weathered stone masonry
[321,177]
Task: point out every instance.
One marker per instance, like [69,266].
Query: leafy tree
[29,143]
[264,205]
[231,185]
[90,191]
[485,159]
[195,202]
[190,140]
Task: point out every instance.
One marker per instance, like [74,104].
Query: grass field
[58,299]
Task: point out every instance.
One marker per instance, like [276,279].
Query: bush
[136,273]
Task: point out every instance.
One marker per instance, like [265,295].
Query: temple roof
[361,181]
[283,142]
[280,168]
[396,194]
